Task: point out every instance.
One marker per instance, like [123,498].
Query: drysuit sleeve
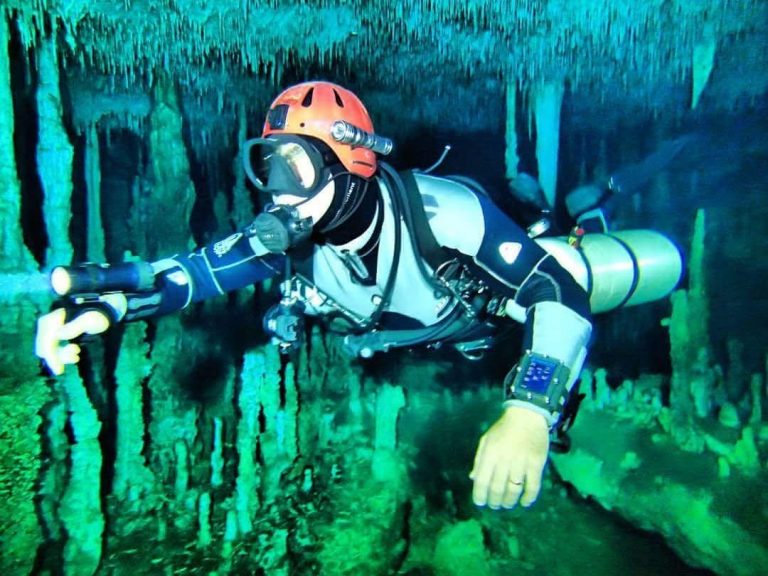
[235,262]
[552,305]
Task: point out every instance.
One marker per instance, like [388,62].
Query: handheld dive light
[91,278]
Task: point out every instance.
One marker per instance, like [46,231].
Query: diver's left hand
[510,460]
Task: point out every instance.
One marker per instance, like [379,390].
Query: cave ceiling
[441,64]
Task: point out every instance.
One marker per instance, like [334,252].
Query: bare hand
[510,460]
[53,334]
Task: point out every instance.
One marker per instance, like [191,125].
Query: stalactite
[54,156]
[242,205]
[547,101]
[511,159]
[703,63]
[617,43]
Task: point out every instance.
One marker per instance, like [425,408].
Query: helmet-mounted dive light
[346,133]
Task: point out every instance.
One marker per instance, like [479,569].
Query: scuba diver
[588,204]
[388,259]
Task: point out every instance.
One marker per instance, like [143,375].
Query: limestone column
[23,395]
[16,257]
[95,232]
[169,205]
[54,156]
[23,290]
[80,508]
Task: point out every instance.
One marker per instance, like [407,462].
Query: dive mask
[285,163]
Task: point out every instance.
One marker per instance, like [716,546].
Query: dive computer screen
[538,374]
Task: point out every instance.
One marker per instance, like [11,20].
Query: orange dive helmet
[315,109]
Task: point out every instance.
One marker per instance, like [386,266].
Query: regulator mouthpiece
[346,133]
[279,227]
[99,278]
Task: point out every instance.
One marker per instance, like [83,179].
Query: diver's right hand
[52,341]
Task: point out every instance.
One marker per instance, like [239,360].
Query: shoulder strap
[428,248]
[470,183]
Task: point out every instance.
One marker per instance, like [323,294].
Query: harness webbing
[455,326]
[427,245]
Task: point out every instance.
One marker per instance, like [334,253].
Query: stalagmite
[272,439]
[185,497]
[602,389]
[204,520]
[697,278]
[53,471]
[229,539]
[30,484]
[173,420]
[94,227]
[217,457]
[246,498]
[547,100]
[133,480]
[290,414]
[389,401]
[756,390]
[15,254]
[689,344]
[181,477]
[54,156]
